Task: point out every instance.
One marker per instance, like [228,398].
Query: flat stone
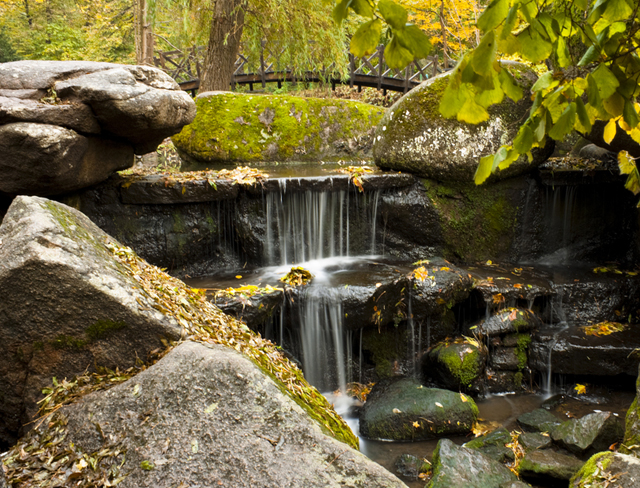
[592,433]
[540,420]
[42,159]
[509,321]
[548,466]
[459,467]
[165,190]
[534,440]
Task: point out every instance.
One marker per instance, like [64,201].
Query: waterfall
[309,225]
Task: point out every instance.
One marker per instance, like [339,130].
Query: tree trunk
[443,27]
[224,45]
[143,34]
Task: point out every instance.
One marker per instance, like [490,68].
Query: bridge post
[406,79]
[262,75]
[352,69]
[380,65]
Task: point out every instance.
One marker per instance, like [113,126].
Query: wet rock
[458,365]
[404,410]
[3,479]
[493,445]
[549,467]
[67,304]
[505,358]
[213,417]
[414,137]
[540,420]
[509,321]
[411,466]
[608,467]
[459,467]
[165,190]
[253,309]
[437,291]
[46,159]
[503,381]
[534,440]
[569,349]
[514,484]
[276,128]
[592,433]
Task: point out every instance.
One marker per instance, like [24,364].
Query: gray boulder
[540,420]
[404,410]
[414,137]
[47,159]
[493,445]
[67,304]
[460,467]
[548,466]
[608,469]
[534,440]
[590,434]
[207,416]
[131,108]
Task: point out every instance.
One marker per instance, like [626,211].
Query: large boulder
[414,137]
[47,105]
[204,415]
[548,467]
[66,304]
[460,467]
[405,410]
[233,127]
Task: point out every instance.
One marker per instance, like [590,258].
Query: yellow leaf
[580,389]
[610,131]
[463,398]
[416,425]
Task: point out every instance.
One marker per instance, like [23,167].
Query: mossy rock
[539,420]
[405,410]
[233,127]
[456,366]
[478,222]
[631,442]
[414,137]
[548,466]
[592,433]
[608,469]
[493,445]
[460,467]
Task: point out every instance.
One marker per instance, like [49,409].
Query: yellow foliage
[604,328]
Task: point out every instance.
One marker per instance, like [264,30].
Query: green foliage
[405,42]
[593,73]
[7,53]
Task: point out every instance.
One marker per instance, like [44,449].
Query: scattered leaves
[297,276]
[355,175]
[604,328]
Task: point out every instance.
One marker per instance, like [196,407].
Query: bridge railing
[185,66]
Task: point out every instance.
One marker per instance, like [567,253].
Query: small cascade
[324,345]
[560,208]
[311,225]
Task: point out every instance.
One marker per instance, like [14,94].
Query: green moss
[586,476]
[478,222]
[103,328]
[68,342]
[233,127]
[463,366]
[631,442]
[382,346]
[522,345]
[178,222]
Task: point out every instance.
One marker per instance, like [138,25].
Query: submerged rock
[411,466]
[67,303]
[534,440]
[592,433]
[233,127]
[405,410]
[206,415]
[70,124]
[459,467]
[548,466]
[619,469]
[414,137]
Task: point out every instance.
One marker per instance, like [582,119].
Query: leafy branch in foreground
[407,41]
[593,72]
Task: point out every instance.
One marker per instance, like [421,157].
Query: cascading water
[304,226]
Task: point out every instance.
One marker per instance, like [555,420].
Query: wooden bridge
[370,71]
